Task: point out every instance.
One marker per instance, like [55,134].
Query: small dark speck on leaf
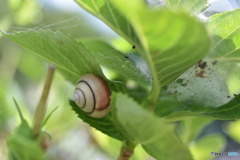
[202,64]
[133,47]
[201,74]
[179,81]
[214,62]
[228,97]
[126,56]
[184,84]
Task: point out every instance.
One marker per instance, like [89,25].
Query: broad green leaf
[63,51]
[225,41]
[204,86]
[154,134]
[106,12]
[190,5]
[114,60]
[23,145]
[194,92]
[178,110]
[172,41]
[104,125]
[72,58]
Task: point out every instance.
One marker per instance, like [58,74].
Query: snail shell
[92,95]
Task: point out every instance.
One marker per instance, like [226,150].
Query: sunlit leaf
[172,41]
[225,30]
[106,12]
[63,51]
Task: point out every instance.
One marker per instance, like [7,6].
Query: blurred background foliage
[22,76]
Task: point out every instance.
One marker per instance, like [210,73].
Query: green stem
[150,103]
[126,150]
[41,108]
[152,99]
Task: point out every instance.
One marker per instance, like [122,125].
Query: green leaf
[23,145]
[225,30]
[70,56]
[104,125]
[151,132]
[195,95]
[19,110]
[204,86]
[172,41]
[114,60]
[106,12]
[161,40]
[190,5]
[179,110]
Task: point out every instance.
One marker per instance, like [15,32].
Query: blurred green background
[22,76]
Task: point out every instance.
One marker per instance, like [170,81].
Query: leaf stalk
[126,151]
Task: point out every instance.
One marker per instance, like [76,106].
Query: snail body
[92,95]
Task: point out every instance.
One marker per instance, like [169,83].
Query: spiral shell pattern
[92,95]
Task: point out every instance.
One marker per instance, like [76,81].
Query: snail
[92,95]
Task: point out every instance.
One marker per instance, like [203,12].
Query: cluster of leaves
[171,41]
[24,140]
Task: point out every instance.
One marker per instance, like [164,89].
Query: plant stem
[152,99]
[41,108]
[124,154]
[126,151]
[150,103]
